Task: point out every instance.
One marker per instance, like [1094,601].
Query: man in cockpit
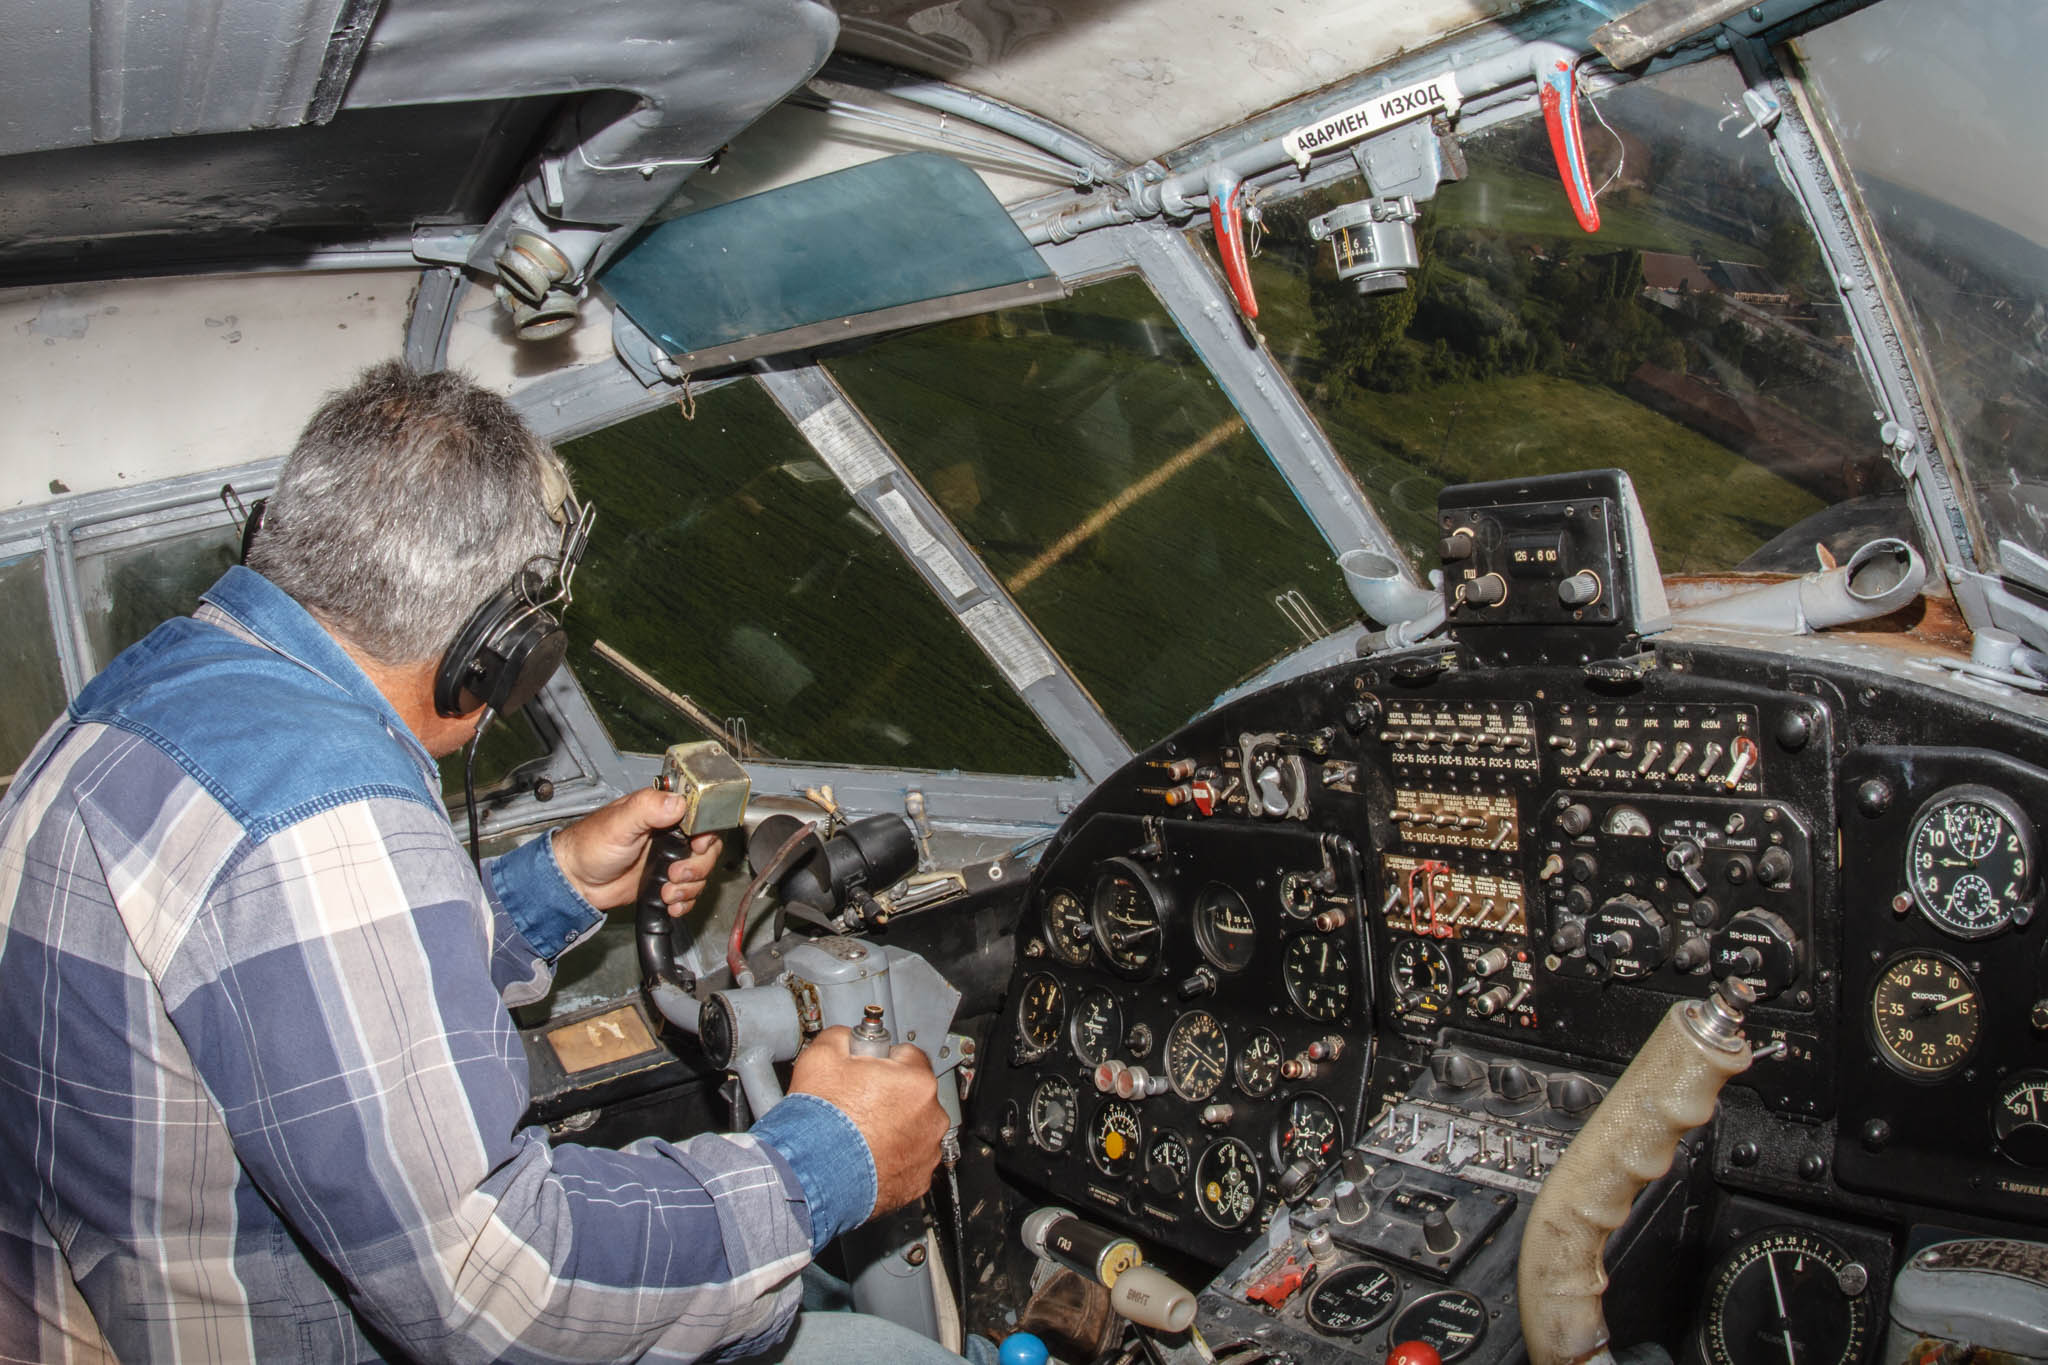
[259,1093]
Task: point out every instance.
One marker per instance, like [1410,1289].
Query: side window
[1089,458]
[733,584]
[128,591]
[1695,340]
[28,660]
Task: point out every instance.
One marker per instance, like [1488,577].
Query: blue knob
[1022,1348]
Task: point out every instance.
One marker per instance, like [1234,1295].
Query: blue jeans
[827,1338]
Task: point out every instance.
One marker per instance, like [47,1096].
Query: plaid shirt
[259,1092]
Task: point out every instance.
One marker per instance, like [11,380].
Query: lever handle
[1226,191]
[1557,87]
[651,917]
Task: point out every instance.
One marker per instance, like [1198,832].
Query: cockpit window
[130,589]
[734,587]
[1090,459]
[1695,340]
[1939,105]
[28,660]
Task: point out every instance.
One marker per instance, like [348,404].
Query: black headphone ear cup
[501,657]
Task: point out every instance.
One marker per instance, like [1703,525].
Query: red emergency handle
[1557,87]
[1226,193]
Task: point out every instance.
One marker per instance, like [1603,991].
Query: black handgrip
[651,917]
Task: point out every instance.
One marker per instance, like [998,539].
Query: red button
[1414,1353]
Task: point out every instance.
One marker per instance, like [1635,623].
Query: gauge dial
[1166,1163]
[1318,976]
[1125,912]
[1626,822]
[2019,1118]
[1298,894]
[1422,977]
[1258,1064]
[1308,1129]
[1453,1323]
[1116,1139]
[1783,1295]
[1039,1016]
[1970,861]
[1354,1300]
[1925,1013]
[1223,928]
[1067,930]
[1196,1055]
[1097,1026]
[1052,1114]
[1227,1183]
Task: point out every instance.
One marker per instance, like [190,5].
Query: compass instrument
[1925,1013]
[1227,1183]
[1197,1055]
[1223,928]
[1318,976]
[1125,912]
[1787,1295]
[1970,861]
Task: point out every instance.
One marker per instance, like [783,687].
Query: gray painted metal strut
[885,491]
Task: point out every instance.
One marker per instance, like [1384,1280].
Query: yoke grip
[651,918]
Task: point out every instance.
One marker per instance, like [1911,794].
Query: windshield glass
[1694,341]
[734,588]
[1939,106]
[1091,461]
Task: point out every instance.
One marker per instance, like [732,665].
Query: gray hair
[408,502]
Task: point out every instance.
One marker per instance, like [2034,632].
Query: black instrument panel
[1189,1025]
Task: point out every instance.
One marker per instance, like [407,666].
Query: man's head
[409,501]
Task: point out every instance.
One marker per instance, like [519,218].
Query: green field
[1508,199]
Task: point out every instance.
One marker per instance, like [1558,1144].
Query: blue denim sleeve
[528,885]
[830,1158]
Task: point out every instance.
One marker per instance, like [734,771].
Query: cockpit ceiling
[1140,77]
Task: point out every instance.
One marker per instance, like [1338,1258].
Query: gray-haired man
[259,1092]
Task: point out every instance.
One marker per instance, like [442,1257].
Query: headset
[512,644]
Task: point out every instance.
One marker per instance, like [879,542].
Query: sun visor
[892,243]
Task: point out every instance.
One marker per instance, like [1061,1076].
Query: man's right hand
[893,1100]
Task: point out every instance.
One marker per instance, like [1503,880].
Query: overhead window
[1090,459]
[1695,340]
[28,660]
[734,586]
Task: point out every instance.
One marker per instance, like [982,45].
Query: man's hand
[894,1102]
[602,853]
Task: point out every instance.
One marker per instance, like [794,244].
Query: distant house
[1669,276]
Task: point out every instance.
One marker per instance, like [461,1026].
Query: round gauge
[1626,822]
[1452,1322]
[1039,1016]
[1116,1139]
[1308,1129]
[1097,1026]
[1422,977]
[1354,1299]
[1258,1064]
[1318,976]
[1784,1295]
[1067,930]
[1227,1183]
[1223,928]
[1052,1114]
[1196,1055]
[1125,912]
[1298,894]
[1166,1163]
[1925,1013]
[2019,1118]
[1970,861]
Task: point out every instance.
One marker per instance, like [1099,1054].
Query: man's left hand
[602,853]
